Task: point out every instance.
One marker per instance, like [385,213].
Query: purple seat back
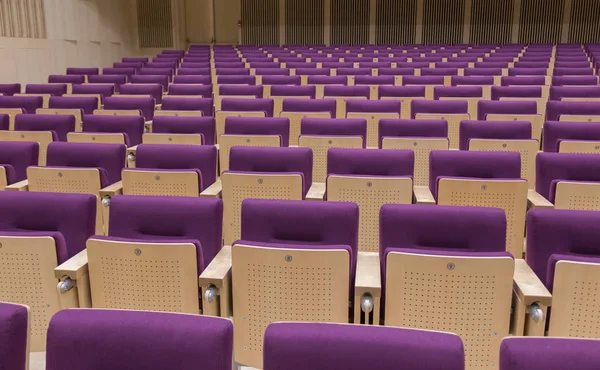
[281,80]
[574,80]
[485,107]
[148,339]
[183,89]
[186,125]
[396,71]
[439,71]
[567,71]
[554,109]
[232,71]
[61,124]
[422,80]
[370,162]
[259,126]
[523,80]
[549,354]
[115,79]
[457,92]
[66,79]
[556,131]
[307,71]
[552,167]
[85,103]
[205,105]
[287,90]
[150,79]
[472,80]
[516,92]
[559,92]
[412,128]
[401,91]
[29,104]
[144,105]
[374,80]
[83,71]
[154,90]
[243,90]
[272,71]
[334,127]
[327,80]
[192,79]
[353,72]
[439,107]
[198,65]
[136,65]
[52,89]
[104,90]
[194,71]
[528,71]
[310,105]
[118,71]
[248,105]
[513,130]
[18,155]
[131,126]
[373,106]
[156,72]
[135,59]
[483,72]
[14,326]
[10,89]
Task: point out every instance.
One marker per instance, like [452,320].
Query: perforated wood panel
[443,21]
[579,146]
[373,125]
[509,195]
[155,25]
[99,138]
[491,21]
[278,103]
[577,195]
[340,103]
[541,21]
[585,21]
[575,308]
[396,22]
[527,148]
[350,21]
[240,186]
[296,119]
[304,22]
[71,112]
[229,141]
[421,147]
[578,118]
[370,193]
[12,113]
[43,138]
[27,277]
[221,117]
[536,120]
[320,145]
[179,139]
[469,296]
[143,276]
[453,124]
[404,104]
[260,22]
[171,183]
[177,113]
[273,285]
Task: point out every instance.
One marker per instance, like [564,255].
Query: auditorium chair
[373,111]
[573,111]
[472,94]
[99,91]
[128,106]
[572,137]
[269,81]
[298,109]
[485,82]
[398,73]
[281,92]
[373,82]
[84,71]
[574,80]
[192,79]
[575,93]
[548,354]
[127,130]
[181,130]
[10,89]
[75,106]
[15,158]
[153,90]
[183,106]
[236,107]
[14,105]
[428,81]
[406,95]
[68,80]
[14,343]
[321,82]
[498,110]
[453,112]
[236,91]
[190,90]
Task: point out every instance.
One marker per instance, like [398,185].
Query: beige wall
[198,21]
[83,33]
[227,13]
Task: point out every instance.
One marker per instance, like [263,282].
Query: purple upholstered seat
[104,90]
[523,80]
[232,71]
[186,125]
[528,72]
[132,127]
[14,326]
[16,156]
[516,92]
[135,59]
[374,64]
[154,90]
[412,128]
[184,71]
[401,91]
[243,90]
[370,162]
[191,89]
[422,80]
[264,159]
[156,72]
[205,105]
[485,107]
[136,65]
[118,71]
[259,126]
[513,130]
[86,104]
[457,92]
[559,92]
[439,107]
[554,109]
[334,127]
[552,167]
[248,105]
[557,131]
[220,65]
[149,340]
[310,105]
[316,346]
[459,163]
[191,79]
[472,80]
[327,80]
[61,124]
[353,72]
[549,353]
[574,80]
[259,65]
[293,90]
[10,89]
[66,79]
[483,72]
[487,64]
[272,72]
[108,158]
[281,80]
[116,80]
[568,71]
[150,79]
[69,218]
[308,71]
[373,106]
[29,104]
[199,65]
[439,71]
[144,105]
[396,71]
[374,80]
[534,64]
[82,71]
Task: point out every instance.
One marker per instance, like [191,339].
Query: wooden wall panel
[491,21]
[585,21]
[260,22]
[396,22]
[155,23]
[23,19]
[350,21]
[305,22]
[443,21]
[541,21]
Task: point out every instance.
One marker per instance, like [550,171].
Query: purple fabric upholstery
[154,90]
[412,128]
[422,80]
[144,105]
[198,65]
[373,106]
[82,71]
[286,90]
[533,64]
[220,65]
[61,124]
[186,125]
[281,80]
[116,80]
[439,71]
[396,72]
[460,163]
[169,218]
[549,354]
[334,127]
[401,91]
[10,89]
[312,105]
[248,105]
[553,167]
[438,107]
[86,104]
[191,89]
[135,59]
[126,339]
[527,71]
[202,80]
[353,72]
[370,162]
[566,71]
[150,79]
[29,104]
[205,105]
[259,126]
[327,80]
[272,71]
[373,80]
[244,90]
[485,107]
[457,92]
[480,65]
[136,65]
[236,80]
[511,130]
[516,92]
[156,72]
[559,92]
[118,71]
[264,159]
[193,71]
[131,126]
[14,333]
[523,80]
[554,109]
[180,157]
[483,72]
[307,71]
[66,79]
[232,71]
[18,156]
[574,80]
[298,346]
[4,121]
[472,80]
[71,216]
[110,157]
[556,131]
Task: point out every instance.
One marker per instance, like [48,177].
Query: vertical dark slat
[260,21]
[491,21]
[585,21]
[350,21]
[396,21]
[443,21]
[304,21]
[541,21]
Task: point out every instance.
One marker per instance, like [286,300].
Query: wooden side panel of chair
[43,138]
[320,145]
[577,195]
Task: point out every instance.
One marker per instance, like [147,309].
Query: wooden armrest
[316,191]
[112,190]
[218,270]
[368,275]
[536,200]
[148,126]
[74,268]
[423,195]
[18,186]
[158,107]
[528,286]
[213,191]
